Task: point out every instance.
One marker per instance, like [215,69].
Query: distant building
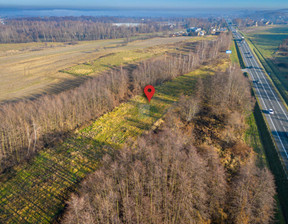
[201,33]
[126,24]
[179,34]
[169,24]
[193,31]
[213,30]
[217,31]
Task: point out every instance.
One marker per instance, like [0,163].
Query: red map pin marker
[149,92]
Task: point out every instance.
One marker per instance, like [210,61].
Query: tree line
[168,176]
[284,47]
[27,126]
[69,29]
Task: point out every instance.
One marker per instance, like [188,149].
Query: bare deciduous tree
[29,125]
[252,195]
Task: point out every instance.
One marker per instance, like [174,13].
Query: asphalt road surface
[268,98]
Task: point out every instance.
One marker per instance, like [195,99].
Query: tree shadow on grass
[184,85]
[138,123]
[50,177]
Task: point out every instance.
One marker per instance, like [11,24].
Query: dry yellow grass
[33,68]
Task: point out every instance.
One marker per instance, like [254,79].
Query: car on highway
[271,111]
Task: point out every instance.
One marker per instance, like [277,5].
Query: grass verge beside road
[241,61]
[275,164]
[234,56]
[253,138]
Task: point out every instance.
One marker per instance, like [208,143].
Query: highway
[267,96]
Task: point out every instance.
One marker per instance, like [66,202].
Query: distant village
[259,22]
[2,21]
[198,31]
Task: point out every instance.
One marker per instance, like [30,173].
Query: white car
[271,111]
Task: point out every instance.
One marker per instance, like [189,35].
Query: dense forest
[64,29]
[25,30]
[27,126]
[195,168]
[69,29]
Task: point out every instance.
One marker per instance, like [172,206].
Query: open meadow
[31,69]
[268,38]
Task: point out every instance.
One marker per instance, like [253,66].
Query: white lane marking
[245,46]
[264,77]
[256,72]
[254,63]
[277,98]
[264,102]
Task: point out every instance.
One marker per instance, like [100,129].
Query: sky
[159,4]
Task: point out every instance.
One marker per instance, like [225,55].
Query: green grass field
[268,39]
[253,139]
[265,42]
[35,192]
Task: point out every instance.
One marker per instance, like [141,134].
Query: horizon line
[132,8]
